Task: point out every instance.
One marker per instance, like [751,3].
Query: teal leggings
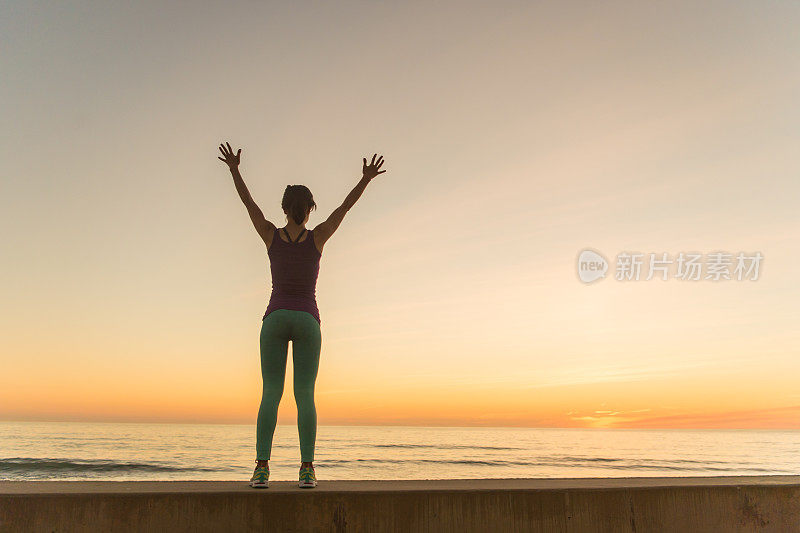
[277,329]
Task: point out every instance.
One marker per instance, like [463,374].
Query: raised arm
[324,230]
[264,227]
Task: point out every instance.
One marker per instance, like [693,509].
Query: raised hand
[371,170]
[231,159]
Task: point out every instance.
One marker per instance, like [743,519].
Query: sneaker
[260,479]
[308,480]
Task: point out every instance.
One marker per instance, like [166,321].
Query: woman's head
[297,203]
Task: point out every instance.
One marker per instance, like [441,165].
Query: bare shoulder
[324,230]
[268,233]
[319,237]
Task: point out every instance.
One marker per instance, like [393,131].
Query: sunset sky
[515,135]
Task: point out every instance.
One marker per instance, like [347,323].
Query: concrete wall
[752,503]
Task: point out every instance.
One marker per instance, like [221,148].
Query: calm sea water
[111,451]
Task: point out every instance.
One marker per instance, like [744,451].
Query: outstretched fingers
[373,162]
[371,169]
[228,155]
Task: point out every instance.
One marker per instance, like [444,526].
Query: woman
[292,312]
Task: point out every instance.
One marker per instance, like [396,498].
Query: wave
[33,465]
[619,464]
[441,446]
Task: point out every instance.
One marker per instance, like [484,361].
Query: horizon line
[432,426]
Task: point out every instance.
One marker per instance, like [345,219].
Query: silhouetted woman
[292,312]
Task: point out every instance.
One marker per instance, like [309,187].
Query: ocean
[140,451]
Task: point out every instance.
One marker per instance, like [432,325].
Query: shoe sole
[259,485]
[307,485]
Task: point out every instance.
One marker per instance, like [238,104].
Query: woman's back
[294,264]
[295,268]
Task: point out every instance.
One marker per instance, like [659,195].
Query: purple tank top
[294,267]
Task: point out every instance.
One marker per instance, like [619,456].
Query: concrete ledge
[695,504]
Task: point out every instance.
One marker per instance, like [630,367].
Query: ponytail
[297,201]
